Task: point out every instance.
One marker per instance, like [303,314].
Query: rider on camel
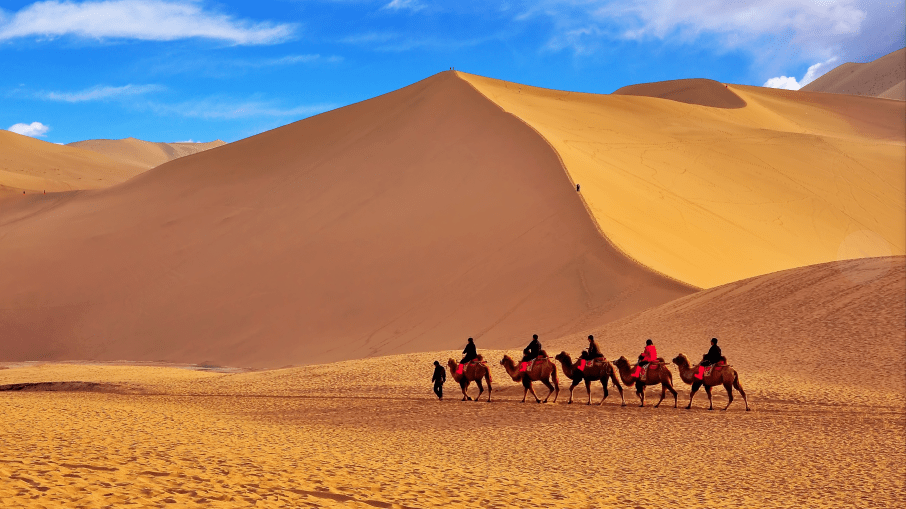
[591,353]
[529,353]
[649,355]
[469,353]
[709,359]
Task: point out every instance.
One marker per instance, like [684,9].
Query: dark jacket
[440,376]
[593,350]
[469,352]
[533,348]
[713,356]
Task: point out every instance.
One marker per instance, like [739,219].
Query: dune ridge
[144,154]
[403,223]
[714,195]
[698,91]
[883,77]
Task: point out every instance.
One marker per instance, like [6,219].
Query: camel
[661,376]
[726,376]
[471,373]
[592,373]
[541,371]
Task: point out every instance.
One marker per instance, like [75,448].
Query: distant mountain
[144,154]
[884,77]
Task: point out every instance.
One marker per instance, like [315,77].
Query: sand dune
[701,92]
[145,154]
[403,223]
[713,195]
[31,165]
[884,77]
[813,347]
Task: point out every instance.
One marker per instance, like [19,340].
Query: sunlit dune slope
[827,333]
[690,91]
[403,223]
[713,195]
[30,165]
[142,153]
[883,77]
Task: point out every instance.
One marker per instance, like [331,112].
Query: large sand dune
[31,165]
[144,154]
[883,77]
[404,223]
[711,195]
[818,350]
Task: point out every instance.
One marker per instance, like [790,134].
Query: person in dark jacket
[469,353]
[593,351]
[709,359]
[440,376]
[532,350]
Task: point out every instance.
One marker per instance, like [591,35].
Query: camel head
[681,360]
[622,362]
[506,359]
[564,357]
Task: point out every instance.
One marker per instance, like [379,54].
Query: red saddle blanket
[527,366]
[583,363]
[461,368]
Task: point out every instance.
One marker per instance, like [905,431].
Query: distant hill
[884,77]
[144,154]
[702,92]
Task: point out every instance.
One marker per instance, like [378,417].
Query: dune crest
[702,92]
[714,195]
[145,154]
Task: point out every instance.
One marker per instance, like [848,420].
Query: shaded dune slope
[884,77]
[144,154]
[31,165]
[699,91]
[714,195]
[831,333]
[403,223]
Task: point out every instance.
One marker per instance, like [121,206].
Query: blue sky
[164,70]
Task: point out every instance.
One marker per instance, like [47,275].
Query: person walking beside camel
[709,359]
[440,376]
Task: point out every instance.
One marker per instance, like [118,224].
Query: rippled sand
[369,433]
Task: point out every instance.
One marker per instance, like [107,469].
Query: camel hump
[661,360]
[542,353]
[479,357]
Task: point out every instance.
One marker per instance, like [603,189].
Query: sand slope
[883,77]
[31,165]
[404,223]
[713,195]
[142,153]
[813,346]
[702,92]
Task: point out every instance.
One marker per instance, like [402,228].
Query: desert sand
[404,223]
[710,195]
[818,349]
[883,77]
[35,166]
[144,154]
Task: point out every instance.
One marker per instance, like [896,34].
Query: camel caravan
[592,366]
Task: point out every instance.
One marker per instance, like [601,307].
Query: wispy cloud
[398,5]
[153,20]
[100,92]
[35,129]
[224,108]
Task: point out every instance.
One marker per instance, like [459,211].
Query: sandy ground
[144,154]
[711,195]
[370,434]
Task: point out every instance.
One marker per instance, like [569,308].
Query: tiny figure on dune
[709,359]
[649,355]
[577,188]
[440,376]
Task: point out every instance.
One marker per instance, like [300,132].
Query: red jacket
[650,354]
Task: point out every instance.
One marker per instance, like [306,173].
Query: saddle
[597,361]
[527,366]
[721,364]
[652,366]
[474,362]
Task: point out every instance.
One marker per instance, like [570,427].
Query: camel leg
[487,378]
[550,386]
[695,387]
[729,389]
[480,389]
[708,390]
[528,387]
[663,393]
[464,385]
[738,387]
[619,387]
[588,390]
[604,386]
[640,392]
[671,389]
[571,387]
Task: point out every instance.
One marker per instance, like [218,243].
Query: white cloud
[784,82]
[789,83]
[35,129]
[99,92]
[153,20]
[221,108]
[398,5]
